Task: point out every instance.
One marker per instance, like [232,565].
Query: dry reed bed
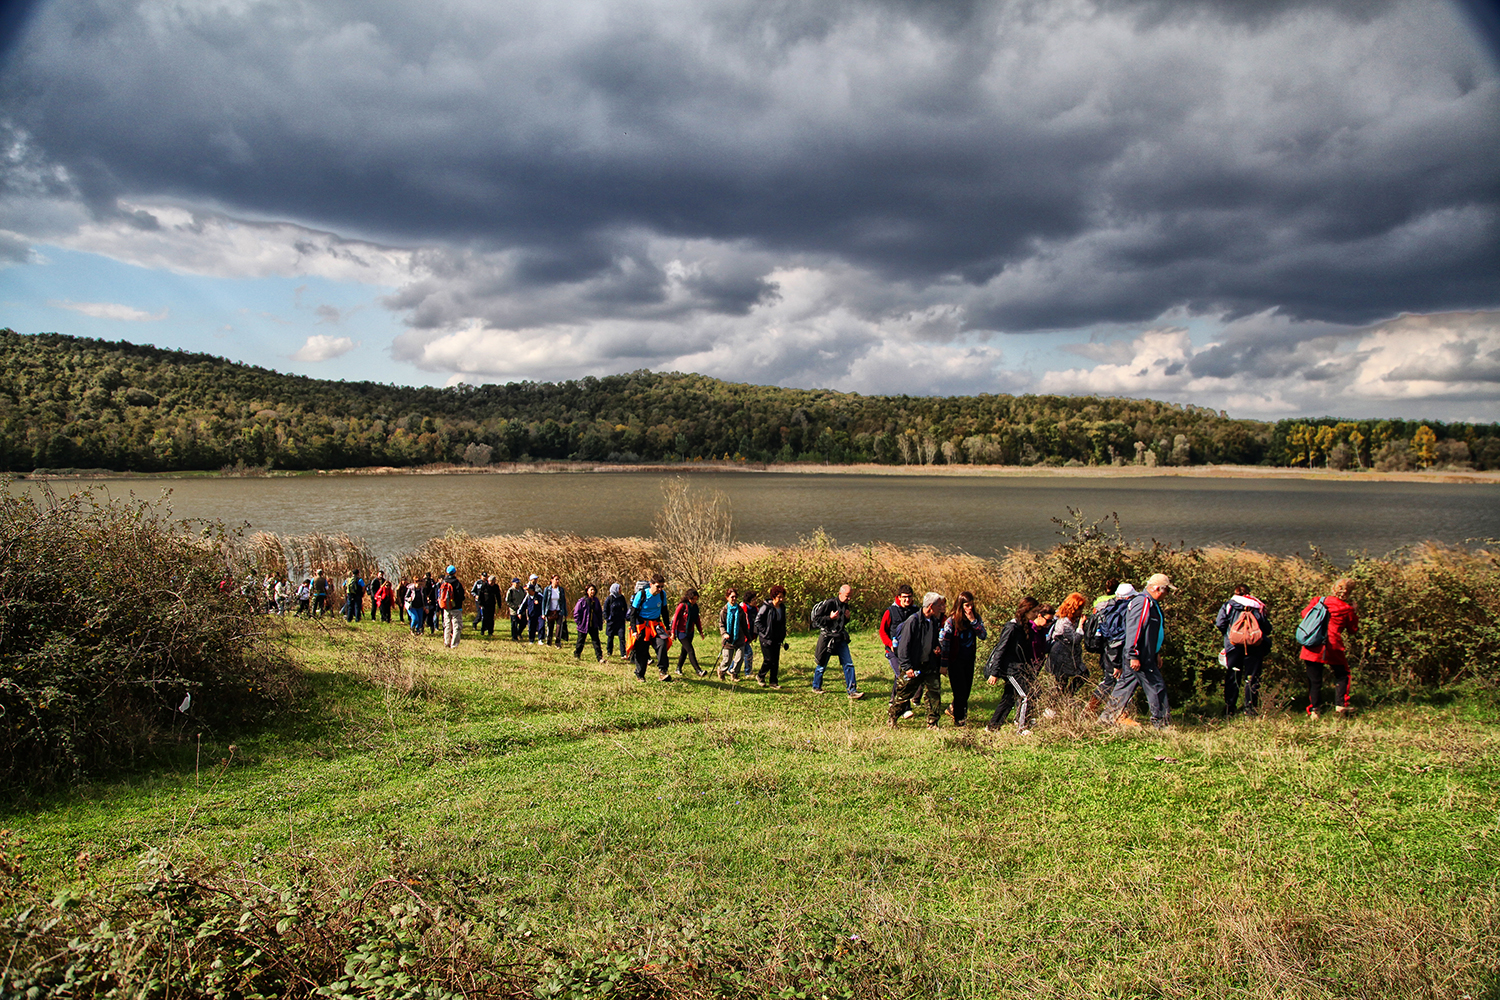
[1430,615]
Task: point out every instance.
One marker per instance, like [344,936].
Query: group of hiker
[924,640]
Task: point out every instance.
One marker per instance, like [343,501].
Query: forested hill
[68,402]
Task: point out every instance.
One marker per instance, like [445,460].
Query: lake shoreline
[808,468]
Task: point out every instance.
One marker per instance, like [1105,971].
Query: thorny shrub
[116,639]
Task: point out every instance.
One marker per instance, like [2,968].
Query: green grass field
[611,837]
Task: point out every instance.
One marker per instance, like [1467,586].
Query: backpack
[1111,626]
[1093,642]
[1245,631]
[821,610]
[450,597]
[1312,630]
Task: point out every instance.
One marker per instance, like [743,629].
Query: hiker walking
[1104,633]
[770,629]
[1065,646]
[647,615]
[588,615]
[734,636]
[1013,664]
[958,641]
[554,607]
[1247,640]
[615,610]
[684,620]
[1342,621]
[515,596]
[1145,631]
[831,619]
[451,600]
[920,661]
[900,610]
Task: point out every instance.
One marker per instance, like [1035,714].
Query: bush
[116,638]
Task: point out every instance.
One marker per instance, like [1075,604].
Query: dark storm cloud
[1031,165]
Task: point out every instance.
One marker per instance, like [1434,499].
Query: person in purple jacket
[588,615]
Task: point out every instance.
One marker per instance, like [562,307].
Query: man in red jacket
[1343,621]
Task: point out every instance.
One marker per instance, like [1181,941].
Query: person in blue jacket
[1145,630]
[648,616]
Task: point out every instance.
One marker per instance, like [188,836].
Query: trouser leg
[1314,686]
[960,683]
[770,663]
[906,690]
[1340,686]
[846,660]
[1234,671]
[1120,698]
[1007,700]
[1254,663]
[820,663]
[1156,693]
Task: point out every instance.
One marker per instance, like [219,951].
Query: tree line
[80,403]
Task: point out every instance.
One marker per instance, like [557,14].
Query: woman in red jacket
[1343,621]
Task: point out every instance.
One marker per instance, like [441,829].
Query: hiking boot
[853,695]
[666,678]
[1312,716]
[948,711]
[1126,722]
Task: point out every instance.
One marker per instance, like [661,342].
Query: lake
[978,514]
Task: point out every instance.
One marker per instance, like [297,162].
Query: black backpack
[1093,642]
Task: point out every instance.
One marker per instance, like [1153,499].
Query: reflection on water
[981,515]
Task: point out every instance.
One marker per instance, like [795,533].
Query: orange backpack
[1246,630]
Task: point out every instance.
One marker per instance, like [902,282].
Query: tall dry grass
[337,554]
[1429,615]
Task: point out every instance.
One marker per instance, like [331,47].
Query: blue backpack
[1109,622]
[1312,630]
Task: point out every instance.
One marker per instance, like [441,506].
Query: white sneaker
[907,714]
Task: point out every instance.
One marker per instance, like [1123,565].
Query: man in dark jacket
[919,661]
[1145,630]
[1243,660]
[831,619]
[770,629]
[514,598]
[487,596]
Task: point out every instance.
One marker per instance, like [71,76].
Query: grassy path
[1258,858]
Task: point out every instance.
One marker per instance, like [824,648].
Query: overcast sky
[1266,206]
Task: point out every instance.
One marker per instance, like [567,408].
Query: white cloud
[323,348]
[192,241]
[109,310]
[1443,365]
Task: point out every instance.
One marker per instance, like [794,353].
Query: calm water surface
[982,515]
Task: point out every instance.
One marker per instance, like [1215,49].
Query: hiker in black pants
[770,629]
[1013,664]
[959,643]
[1244,653]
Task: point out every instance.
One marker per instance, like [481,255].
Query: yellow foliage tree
[1424,443]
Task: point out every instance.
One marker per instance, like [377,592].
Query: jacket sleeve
[1221,620]
[763,626]
[1134,613]
[995,665]
[885,628]
[945,638]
